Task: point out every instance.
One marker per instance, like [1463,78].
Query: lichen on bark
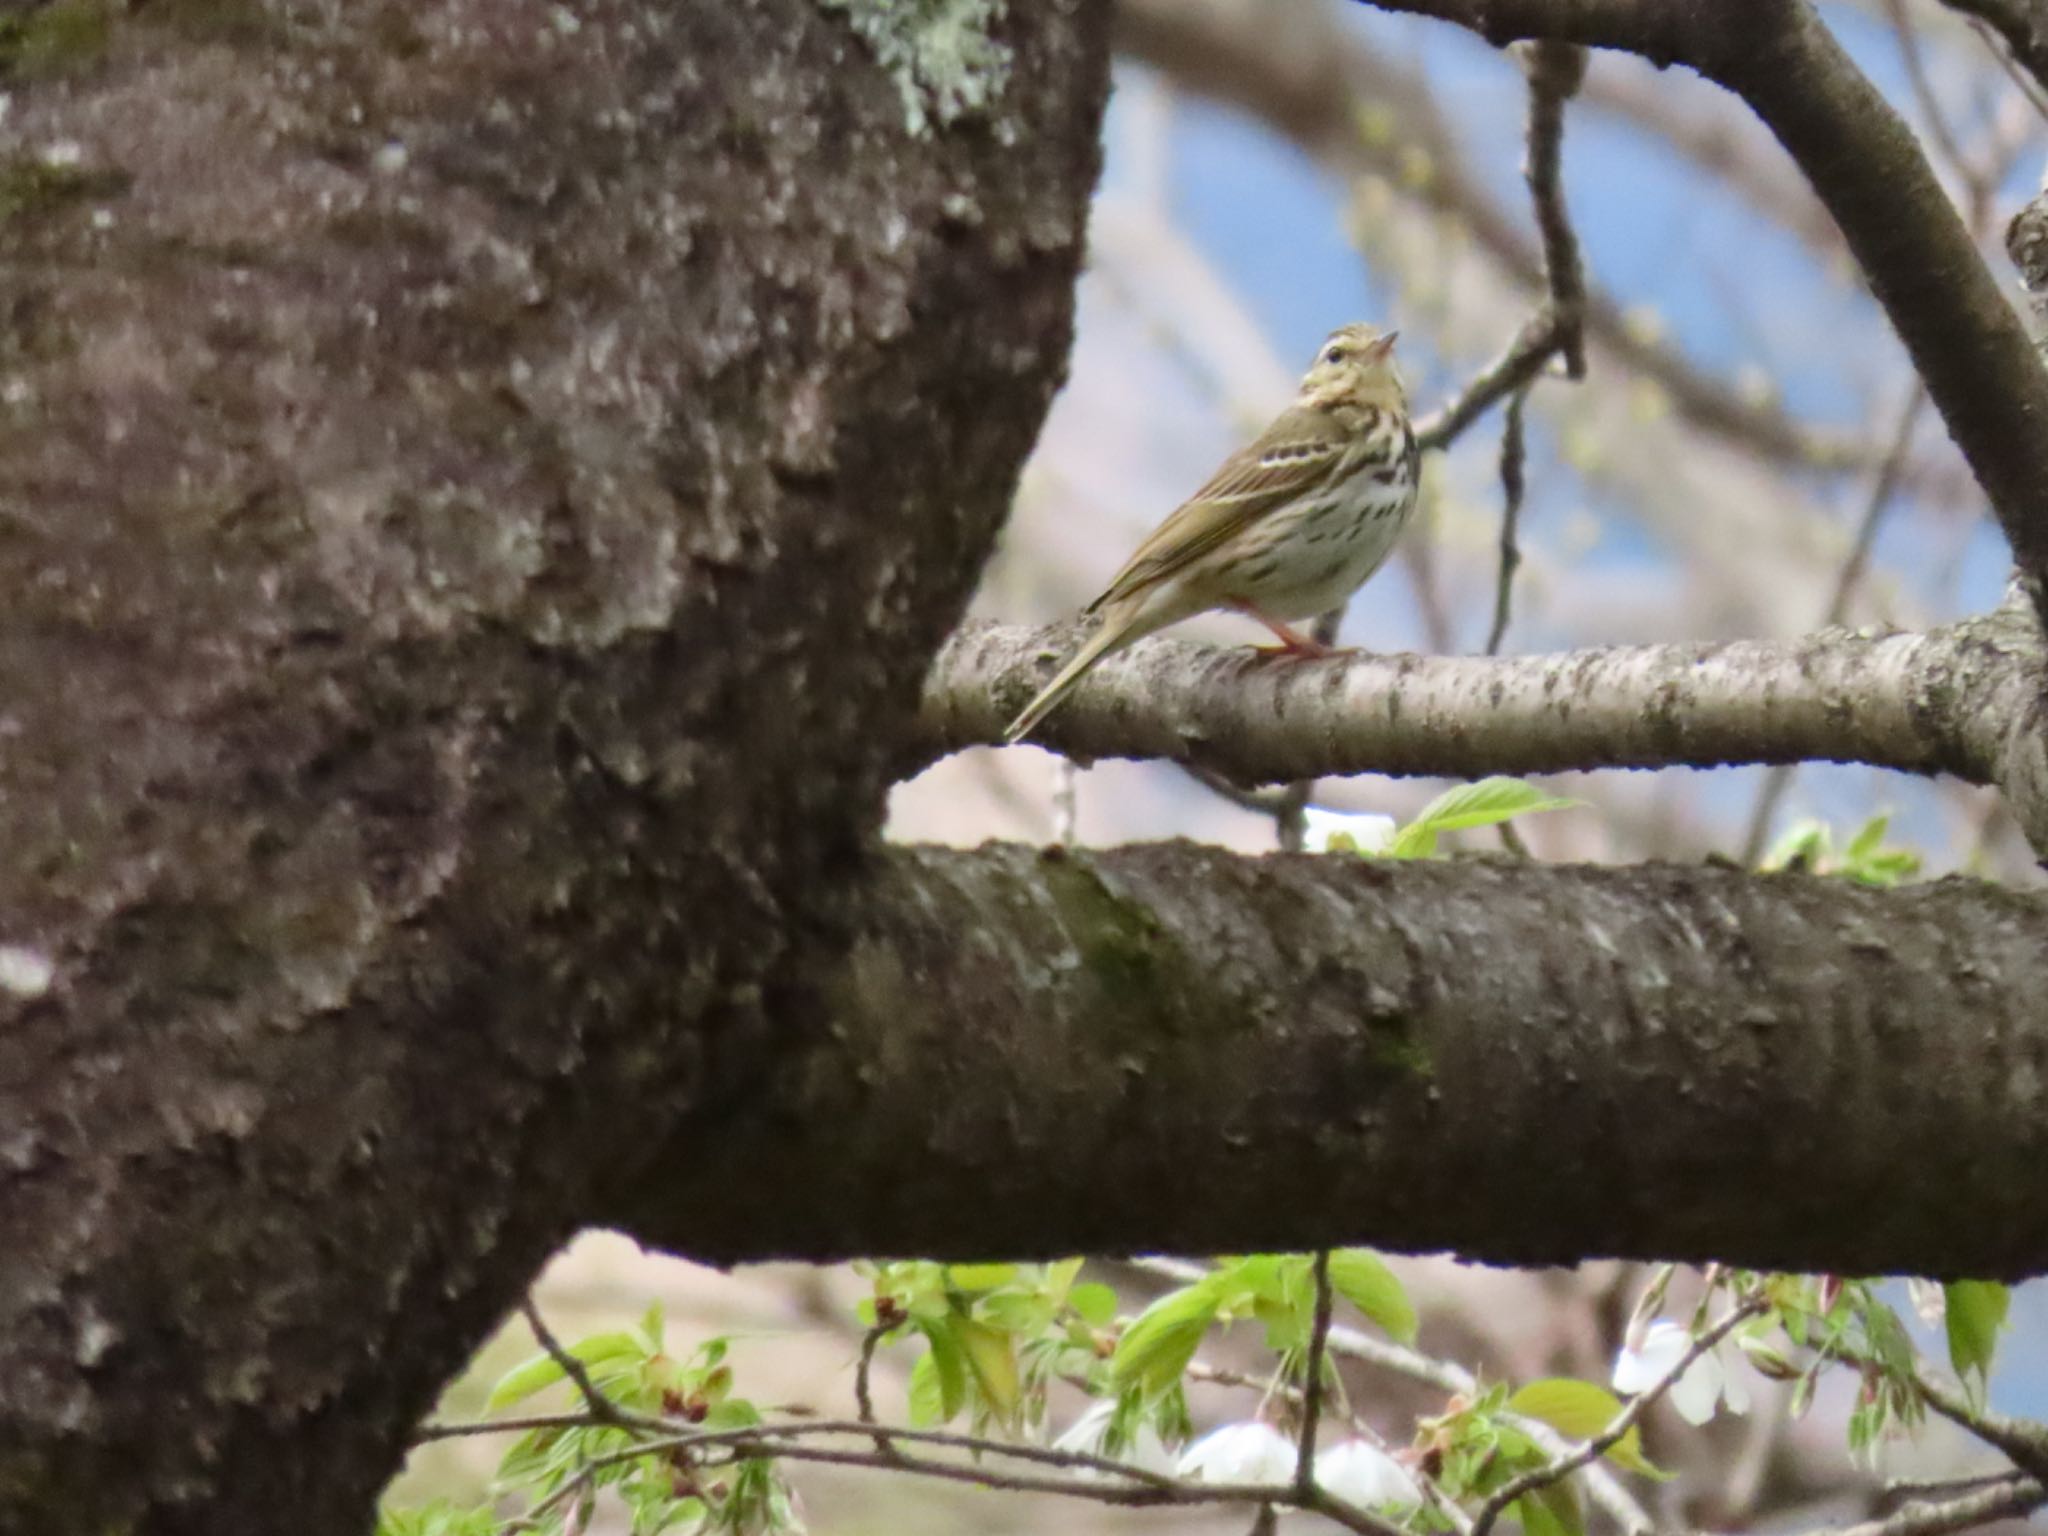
[943,55]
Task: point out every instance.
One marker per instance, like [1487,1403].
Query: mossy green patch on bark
[56,41]
[941,55]
[32,187]
[1118,941]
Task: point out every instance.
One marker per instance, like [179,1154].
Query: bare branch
[1103,1480]
[1448,1377]
[1962,700]
[1586,1454]
[601,1407]
[2024,1440]
[1555,71]
[1921,1517]
[1312,1384]
[1512,451]
[1541,335]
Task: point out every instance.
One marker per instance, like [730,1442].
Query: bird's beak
[1383,346]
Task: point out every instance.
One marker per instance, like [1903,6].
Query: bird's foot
[1293,643]
[1312,651]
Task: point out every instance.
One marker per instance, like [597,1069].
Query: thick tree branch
[1962,700]
[1964,338]
[1167,1047]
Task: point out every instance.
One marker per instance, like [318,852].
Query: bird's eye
[1333,354]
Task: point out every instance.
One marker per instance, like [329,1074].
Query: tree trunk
[479,486]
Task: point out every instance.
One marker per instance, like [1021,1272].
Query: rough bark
[1170,1048]
[478,488]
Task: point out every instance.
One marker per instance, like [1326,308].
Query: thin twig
[1513,456]
[1449,1377]
[1944,1487]
[1260,802]
[1137,1486]
[1312,1385]
[863,1394]
[602,1408]
[458,1429]
[1920,1517]
[1539,339]
[1555,70]
[2024,1440]
[1617,1427]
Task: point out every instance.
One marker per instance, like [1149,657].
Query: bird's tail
[1109,637]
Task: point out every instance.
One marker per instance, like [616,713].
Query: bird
[1288,527]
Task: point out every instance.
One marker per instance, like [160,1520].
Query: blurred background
[1750,455]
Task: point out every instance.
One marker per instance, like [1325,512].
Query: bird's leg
[1292,641]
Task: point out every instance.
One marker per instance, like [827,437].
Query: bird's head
[1355,368]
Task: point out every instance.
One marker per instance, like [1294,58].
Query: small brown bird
[1287,528]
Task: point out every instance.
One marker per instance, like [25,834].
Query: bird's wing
[1301,450]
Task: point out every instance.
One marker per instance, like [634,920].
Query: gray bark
[432,437]
[1171,1048]
[1962,700]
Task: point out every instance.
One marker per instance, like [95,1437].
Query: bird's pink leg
[1292,641]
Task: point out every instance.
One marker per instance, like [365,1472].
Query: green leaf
[950,1363]
[1024,1312]
[1803,845]
[1552,1510]
[732,1413]
[1868,860]
[541,1372]
[440,1518]
[927,1396]
[1868,839]
[1282,1291]
[1975,1312]
[994,1364]
[980,1277]
[1287,1328]
[1363,1279]
[1060,1277]
[1095,1302]
[1582,1410]
[1160,1342]
[1236,1283]
[1482,804]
